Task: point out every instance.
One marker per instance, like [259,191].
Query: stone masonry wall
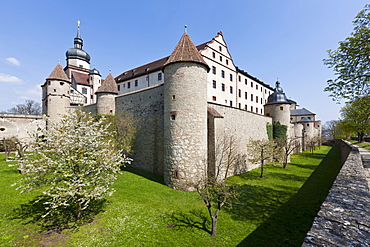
[344,217]
[20,125]
[242,126]
[146,106]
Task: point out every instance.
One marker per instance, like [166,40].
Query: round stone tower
[278,106]
[56,94]
[106,95]
[95,82]
[185,116]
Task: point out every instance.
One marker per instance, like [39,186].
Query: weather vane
[78,24]
[186,29]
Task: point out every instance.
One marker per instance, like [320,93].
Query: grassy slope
[142,207]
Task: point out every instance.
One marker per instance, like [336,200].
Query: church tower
[185,116]
[56,94]
[106,95]
[76,56]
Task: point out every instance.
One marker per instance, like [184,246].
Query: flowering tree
[75,163]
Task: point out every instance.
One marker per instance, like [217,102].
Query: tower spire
[78,41]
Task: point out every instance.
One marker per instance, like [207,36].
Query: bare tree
[227,156]
[8,144]
[29,107]
[311,143]
[260,151]
[287,145]
[214,190]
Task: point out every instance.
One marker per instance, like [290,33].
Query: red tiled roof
[108,86]
[58,74]
[81,78]
[150,67]
[185,51]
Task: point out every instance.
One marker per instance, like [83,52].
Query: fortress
[185,105]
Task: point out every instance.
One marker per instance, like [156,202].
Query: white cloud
[10,79]
[33,93]
[13,61]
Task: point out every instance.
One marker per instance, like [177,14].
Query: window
[231,89]
[251,108]
[251,97]
[281,108]
[240,105]
[251,83]
[124,85]
[261,111]
[261,101]
[256,109]
[245,107]
[227,62]
[214,84]
[214,98]
[246,95]
[159,76]
[256,86]
[220,48]
[213,70]
[84,90]
[222,74]
[129,84]
[240,93]
[231,103]
[231,77]
[256,98]
[239,78]
[220,58]
[173,115]
[136,83]
[213,55]
[246,82]
[223,87]
[119,87]
[261,89]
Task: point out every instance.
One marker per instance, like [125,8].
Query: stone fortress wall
[344,217]
[146,106]
[20,125]
[239,127]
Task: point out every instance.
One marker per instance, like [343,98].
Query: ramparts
[344,217]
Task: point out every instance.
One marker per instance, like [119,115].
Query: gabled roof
[300,112]
[185,51]
[108,86]
[80,78]
[58,74]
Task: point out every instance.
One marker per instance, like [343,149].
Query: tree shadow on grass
[148,175]
[32,213]
[290,223]
[192,219]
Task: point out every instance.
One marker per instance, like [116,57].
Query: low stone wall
[344,217]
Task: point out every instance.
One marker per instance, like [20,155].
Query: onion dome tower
[76,56]
[56,94]
[278,106]
[185,116]
[106,95]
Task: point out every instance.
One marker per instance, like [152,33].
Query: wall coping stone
[344,217]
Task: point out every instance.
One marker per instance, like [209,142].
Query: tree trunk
[79,211]
[360,136]
[214,224]
[262,161]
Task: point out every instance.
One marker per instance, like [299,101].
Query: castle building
[186,106]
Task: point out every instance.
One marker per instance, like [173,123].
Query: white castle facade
[184,103]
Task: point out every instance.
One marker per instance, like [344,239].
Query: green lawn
[144,212]
[365,145]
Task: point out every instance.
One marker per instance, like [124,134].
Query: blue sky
[285,39]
